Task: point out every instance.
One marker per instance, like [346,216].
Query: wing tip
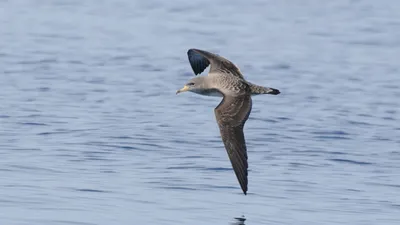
[197,61]
[244,189]
[274,91]
[191,50]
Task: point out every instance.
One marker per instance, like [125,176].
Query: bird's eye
[190,84]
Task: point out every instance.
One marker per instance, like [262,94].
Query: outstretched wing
[199,60]
[231,114]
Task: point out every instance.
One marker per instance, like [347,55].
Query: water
[91,131]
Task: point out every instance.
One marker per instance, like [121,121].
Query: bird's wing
[199,60]
[231,115]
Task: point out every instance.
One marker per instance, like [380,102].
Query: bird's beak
[185,88]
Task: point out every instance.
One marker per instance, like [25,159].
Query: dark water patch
[331,133]
[365,115]
[296,190]
[95,80]
[358,123]
[395,153]
[218,169]
[185,74]
[312,98]
[378,138]
[351,161]
[61,37]
[337,153]
[390,86]
[33,115]
[107,171]
[26,149]
[94,158]
[75,62]
[215,140]
[392,185]
[96,152]
[99,91]
[320,34]
[66,222]
[36,169]
[76,160]
[150,68]
[184,167]
[210,186]
[193,157]
[279,66]
[44,89]
[284,181]
[32,124]
[179,188]
[52,133]
[113,146]
[323,137]
[19,71]
[65,155]
[153,147]
[391,111]
[164,125]
[263,120]
[354,190]
[319,152]
[91,190]
[370,29]
[19,186]
[123,147]
[388,118]
[120,58]
[385,185]
[179,141]
[297,165]
[369,43]
[34,62]
[397,206]
[121,137]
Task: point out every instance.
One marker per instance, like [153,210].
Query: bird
[225,80]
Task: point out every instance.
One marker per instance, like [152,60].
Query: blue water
[92,133]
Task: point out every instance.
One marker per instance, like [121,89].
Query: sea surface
[92,133]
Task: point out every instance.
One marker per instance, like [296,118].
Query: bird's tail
[258,90]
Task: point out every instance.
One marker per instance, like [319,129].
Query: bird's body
[225,80]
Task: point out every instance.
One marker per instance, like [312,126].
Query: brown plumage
[225,79]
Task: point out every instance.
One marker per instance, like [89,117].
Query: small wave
[33,124]
[91,190]
[218,169]
[351,161]
[179,188]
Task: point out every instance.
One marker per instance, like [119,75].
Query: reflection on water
[238,221]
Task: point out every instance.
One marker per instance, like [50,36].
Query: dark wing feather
[199,60]
[231,114]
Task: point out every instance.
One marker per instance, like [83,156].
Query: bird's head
[192,85]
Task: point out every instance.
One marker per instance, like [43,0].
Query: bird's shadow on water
[238,221]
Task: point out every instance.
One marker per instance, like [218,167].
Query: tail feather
[257,90]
